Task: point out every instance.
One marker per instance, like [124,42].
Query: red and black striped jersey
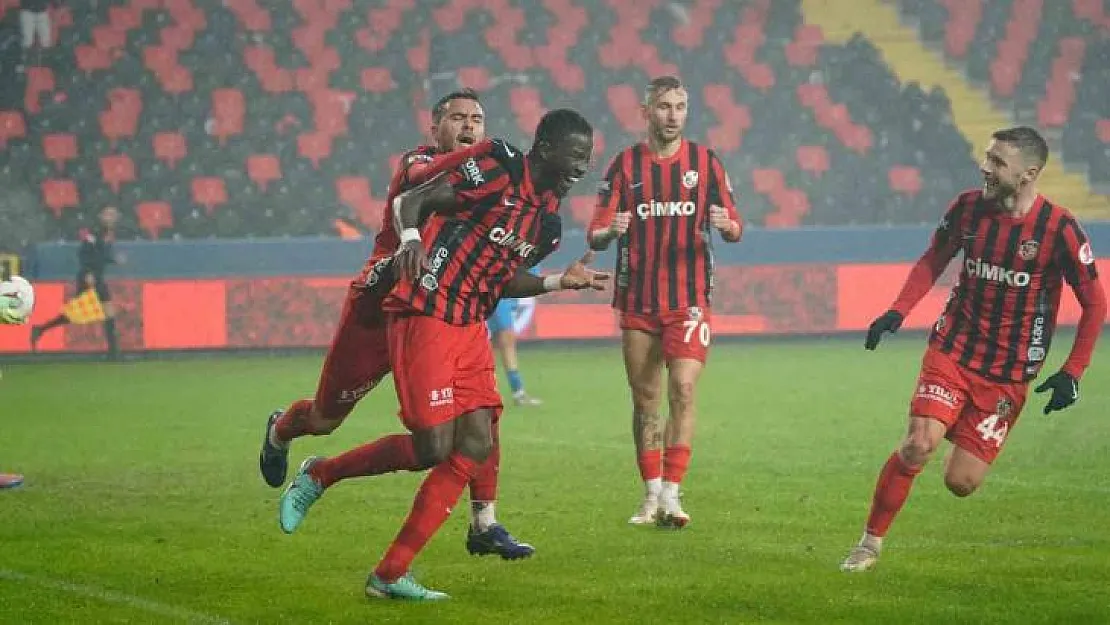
[500,227]
[417,166]
[1001,314]
[665,260]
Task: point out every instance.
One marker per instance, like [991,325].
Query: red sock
[675,461]
[437,495]
[650,461]
[385,455]
[294,423]
[891,492]
[484,485]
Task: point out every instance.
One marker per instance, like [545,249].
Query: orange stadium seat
[12,126]
[117,170]
[169,147]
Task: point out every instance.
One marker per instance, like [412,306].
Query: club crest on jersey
[1028,249]
[690,179]
[1004,407]
[694,313]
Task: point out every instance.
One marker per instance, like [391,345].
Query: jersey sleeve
[1077,263]
[551,233]
[720,189]
[477,179]
[610,193]
[942,248]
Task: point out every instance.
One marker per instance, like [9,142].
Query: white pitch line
[112,596]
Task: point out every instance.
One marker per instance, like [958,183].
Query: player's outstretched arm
[577,276]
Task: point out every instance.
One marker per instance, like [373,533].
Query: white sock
[274,440]
[482,515]
[653,486]
[670,490]
[871,542]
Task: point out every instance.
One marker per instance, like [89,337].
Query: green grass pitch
[143,502]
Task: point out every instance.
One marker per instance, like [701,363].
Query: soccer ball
[17,300]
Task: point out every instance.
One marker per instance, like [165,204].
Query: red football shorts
[441,371]
[358,357]
[685,333]
[979,413]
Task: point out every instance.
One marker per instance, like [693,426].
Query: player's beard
[665,135]
[999,192]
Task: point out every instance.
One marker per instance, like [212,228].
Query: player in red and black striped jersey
[1018,249]
[358,357]
[661,200]
[475,248]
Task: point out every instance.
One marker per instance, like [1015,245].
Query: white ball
[18,297]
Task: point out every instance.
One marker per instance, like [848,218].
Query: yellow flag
[85,308]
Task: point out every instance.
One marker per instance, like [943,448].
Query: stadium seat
[813,159]
[169,147]
[117,170]
[58,195]
[582,209]
[154,217]
[315,146]
[59,148]
[904,179]
[263,169]
[228,113]
[91,58]
[1102,130]
[767,181]
[209,192]
[12,126]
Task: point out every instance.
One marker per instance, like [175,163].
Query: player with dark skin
[555,168]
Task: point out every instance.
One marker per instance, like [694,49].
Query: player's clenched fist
[620,223]
[719,219]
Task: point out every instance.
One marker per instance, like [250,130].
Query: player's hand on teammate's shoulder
[410,259]
[1065,391]
[508,156]
[621,221]
[889,321]
[579,276]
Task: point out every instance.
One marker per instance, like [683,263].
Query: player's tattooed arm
[577,276]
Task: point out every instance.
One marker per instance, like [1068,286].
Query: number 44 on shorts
[995,427]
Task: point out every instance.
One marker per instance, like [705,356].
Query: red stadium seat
[905,179]
[209,192]
[59,195]
[813,159]
[125,18]
[625,104]
[378,80]
[91,58]
[159,58]
[315,146]
[176,80]
[474,77]
[767,181]
[177,37]
[12,126]
[229,111]
[354,191]
[169,147]
[58,148]
[263,169]
[1102,129]
[117,169]
[108,38]
[582,209]
[154,217]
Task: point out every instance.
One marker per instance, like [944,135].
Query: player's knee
[961,485]
[916,450]
[476,447]
[433,446]
[645,396]
[682,392]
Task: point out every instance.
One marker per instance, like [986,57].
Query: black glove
[889,322]
[1065,391]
